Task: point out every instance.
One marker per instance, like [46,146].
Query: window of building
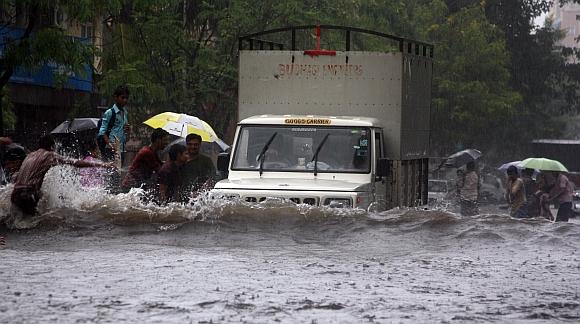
[88,31]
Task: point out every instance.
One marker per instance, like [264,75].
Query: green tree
[548,87]
[471,81]
[40,43]
[168,53]
[181,55]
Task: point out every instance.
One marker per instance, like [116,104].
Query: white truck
[331,128]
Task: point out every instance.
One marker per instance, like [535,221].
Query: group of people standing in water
[528,196]
[185,171]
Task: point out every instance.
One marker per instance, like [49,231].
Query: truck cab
[317,160]
[338,128]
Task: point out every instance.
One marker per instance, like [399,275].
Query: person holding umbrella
[563,188]
[469,191]
[468,181]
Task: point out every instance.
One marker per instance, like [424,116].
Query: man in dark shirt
[199,169]
[146,163]
[532,202]
[170,176]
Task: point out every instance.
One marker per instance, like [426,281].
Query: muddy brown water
[92,257]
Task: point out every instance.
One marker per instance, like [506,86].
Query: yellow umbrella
[183,125]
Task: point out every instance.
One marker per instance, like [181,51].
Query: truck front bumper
[336,199]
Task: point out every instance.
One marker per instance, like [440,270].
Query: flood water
[92,257]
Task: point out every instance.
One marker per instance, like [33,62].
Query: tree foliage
[471,83]
[497,76]
[41,42]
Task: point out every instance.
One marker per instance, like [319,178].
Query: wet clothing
[469,189]
[468,194]
[544,207]
[171,175]
[516,198]
[561,192]
[565,198]
[564,212]
[29,179]
[532,204]
[566,187]
[118,129]
[142,169]
[198,170]
[92,177]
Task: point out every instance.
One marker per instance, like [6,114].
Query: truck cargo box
[392,87]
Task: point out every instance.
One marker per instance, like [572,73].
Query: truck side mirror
[223,162]
[382,167]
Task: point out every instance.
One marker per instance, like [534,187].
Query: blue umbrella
[505,166]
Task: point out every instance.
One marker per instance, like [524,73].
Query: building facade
[40,101]
[567,18]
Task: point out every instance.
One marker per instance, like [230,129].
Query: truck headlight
[338,202]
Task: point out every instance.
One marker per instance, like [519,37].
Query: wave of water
[66,204]
[95,257]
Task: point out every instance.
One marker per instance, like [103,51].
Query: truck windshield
[346,149]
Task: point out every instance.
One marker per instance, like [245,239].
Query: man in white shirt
[562,192]
[469,191]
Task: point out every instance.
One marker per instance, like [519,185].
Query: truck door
[379,185]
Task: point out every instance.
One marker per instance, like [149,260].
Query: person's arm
[104,125]
[81,163]
[508,188]
[89,164]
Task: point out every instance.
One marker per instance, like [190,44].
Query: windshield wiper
[315,157]
[262,155]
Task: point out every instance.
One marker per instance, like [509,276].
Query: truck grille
[296,200]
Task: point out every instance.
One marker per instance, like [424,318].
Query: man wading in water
[515,193]
[469,191]
[28,182]
[563,191]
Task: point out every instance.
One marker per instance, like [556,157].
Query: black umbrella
[461,158]
[76,125]
[14,152]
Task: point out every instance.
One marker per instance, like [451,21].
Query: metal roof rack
[256,42]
